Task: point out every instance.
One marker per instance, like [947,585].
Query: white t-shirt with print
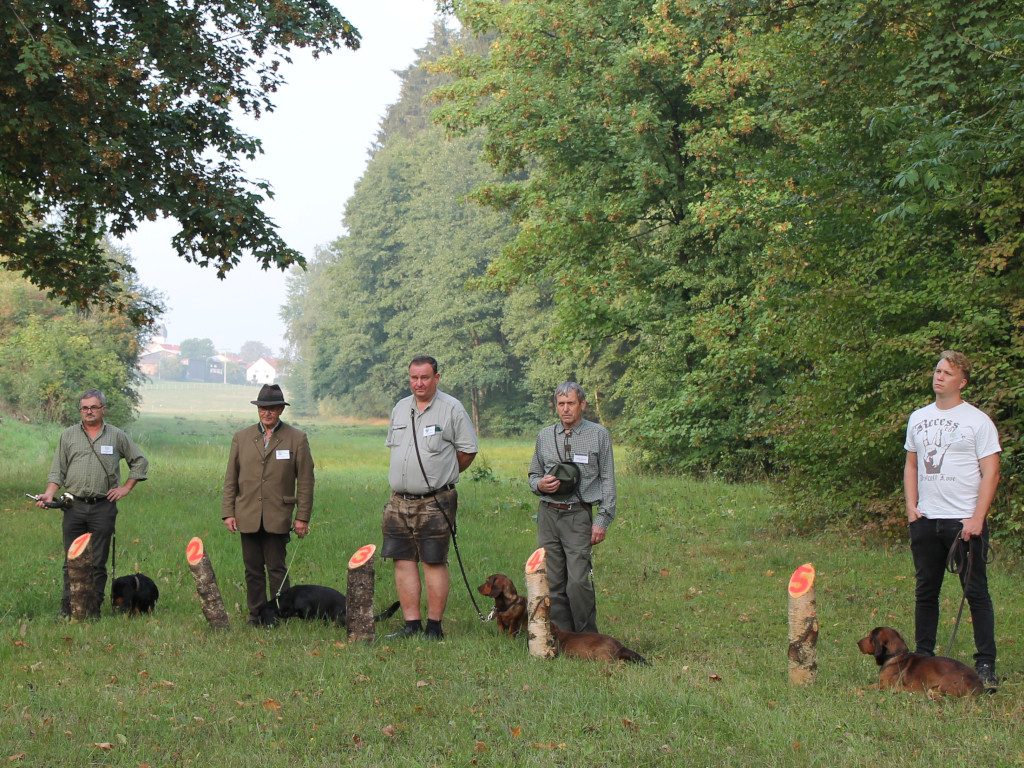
[949,444]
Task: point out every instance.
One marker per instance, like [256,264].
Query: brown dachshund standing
[903,670]
[593,646]
[509,605]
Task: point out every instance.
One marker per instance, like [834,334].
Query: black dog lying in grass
[312,602]
[134,594]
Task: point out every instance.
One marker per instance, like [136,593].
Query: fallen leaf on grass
[516,731]
[389,730]
[360,678]
[164,684]
[796,746]
[548,745]
[664,572]
[714,677]
[272,705]
[743,617]
[106,746]
[422,683]
[14,758]
[20,644]
[630,725]
[36,667]
[339,644]
[359,743]
[479,746]
[22,629]
[769,573]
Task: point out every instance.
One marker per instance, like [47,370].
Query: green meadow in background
[692,576]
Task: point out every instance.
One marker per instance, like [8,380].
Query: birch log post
[539,639]
[81,578]
[803,627]
[206,584]
[359,617]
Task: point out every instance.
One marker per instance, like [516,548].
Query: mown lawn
[692,575]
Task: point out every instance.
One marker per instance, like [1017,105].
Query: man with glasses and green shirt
[88,466]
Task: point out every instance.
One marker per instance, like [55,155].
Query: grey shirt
[442,428]
[591,450]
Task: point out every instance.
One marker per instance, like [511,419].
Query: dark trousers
[930,541]
[264,556]
[565,536]
[99,520]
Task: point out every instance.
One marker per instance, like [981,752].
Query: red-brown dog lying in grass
[509,605]
[593,646]
[903,670]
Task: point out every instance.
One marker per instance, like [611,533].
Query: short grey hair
[94,393]
[570,386]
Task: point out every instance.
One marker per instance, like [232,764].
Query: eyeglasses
[88,408]
[270,408]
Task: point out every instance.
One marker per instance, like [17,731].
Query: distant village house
[263,371]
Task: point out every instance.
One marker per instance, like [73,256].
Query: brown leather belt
[569,506]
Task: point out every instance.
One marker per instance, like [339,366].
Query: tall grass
[692,575]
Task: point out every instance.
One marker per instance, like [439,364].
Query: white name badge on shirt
[581,458]
[433,429]
[284,453]
[107,450]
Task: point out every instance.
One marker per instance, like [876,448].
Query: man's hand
[596,535]
[301,528]
[972,527]
[118,493]
[548,484]
[231,524]
[43,499]
[913,513]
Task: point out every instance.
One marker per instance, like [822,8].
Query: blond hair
[959,361]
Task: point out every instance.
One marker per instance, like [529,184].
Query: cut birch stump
[803,627]
[359,618]
[539,639]
[81,579]
[206,584]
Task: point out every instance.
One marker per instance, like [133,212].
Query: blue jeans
[930,541]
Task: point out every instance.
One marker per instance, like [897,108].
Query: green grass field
[692,575]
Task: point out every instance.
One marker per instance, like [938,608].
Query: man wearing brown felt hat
[269,479]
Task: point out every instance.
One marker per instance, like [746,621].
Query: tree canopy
[115,112]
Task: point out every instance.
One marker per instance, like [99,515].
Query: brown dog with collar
[509,605]
[903,670]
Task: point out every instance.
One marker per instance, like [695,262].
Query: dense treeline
[749,227]
[50,353]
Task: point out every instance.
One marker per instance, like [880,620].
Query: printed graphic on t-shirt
[937,437]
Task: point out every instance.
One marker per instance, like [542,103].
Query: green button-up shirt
[86,467]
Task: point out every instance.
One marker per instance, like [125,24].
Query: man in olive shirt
[88,465]
[431,439]
[269,478]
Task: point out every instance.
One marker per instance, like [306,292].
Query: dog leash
[444,514]
[955,564]
[287,570]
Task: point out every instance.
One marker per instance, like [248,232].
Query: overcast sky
[315,149]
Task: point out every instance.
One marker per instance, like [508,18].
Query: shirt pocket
[434,442]
[395,434]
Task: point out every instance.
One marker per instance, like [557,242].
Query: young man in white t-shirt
[949,480]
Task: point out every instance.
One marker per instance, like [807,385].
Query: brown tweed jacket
[265,486]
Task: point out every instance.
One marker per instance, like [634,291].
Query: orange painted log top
[802,580]
[536,561]
[78,545]
[361,555]
[194,550]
